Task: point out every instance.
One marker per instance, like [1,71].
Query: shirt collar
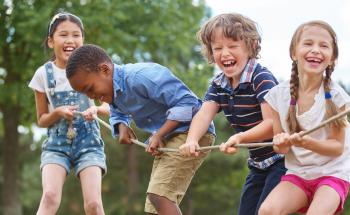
[246,76]
[118,76]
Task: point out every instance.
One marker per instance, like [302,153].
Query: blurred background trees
[162,31]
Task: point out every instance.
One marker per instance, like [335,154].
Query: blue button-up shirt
[150,94]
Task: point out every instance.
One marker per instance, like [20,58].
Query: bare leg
[326,201]
[163,205]
[90,179]
[285,198]
[53,177]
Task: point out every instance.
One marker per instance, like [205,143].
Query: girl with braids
[317,180]
[73,141]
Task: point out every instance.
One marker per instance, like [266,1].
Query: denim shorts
[85,150]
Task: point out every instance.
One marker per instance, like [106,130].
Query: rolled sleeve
[181,114]
[116,118]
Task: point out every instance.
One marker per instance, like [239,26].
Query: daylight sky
[278,19]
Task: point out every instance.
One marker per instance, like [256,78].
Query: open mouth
[229,63]
[314,60]
[68,49]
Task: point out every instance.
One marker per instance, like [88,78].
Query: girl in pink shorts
[317,179]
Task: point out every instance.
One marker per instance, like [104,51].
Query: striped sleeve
[263,81]
[212,94]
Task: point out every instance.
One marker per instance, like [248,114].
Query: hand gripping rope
[243,145]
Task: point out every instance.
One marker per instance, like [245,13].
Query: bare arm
[332,146]
[260,132]
[90,113]
[44,117]
[199,126]
[157,137]
[280,138]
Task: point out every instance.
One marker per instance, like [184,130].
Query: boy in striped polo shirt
[232,42]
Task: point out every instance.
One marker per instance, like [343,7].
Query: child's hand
[155,142]
[297,140]
[125,134]
[89,113]
[189,148]
[281,143]
[66,112]
[228,147]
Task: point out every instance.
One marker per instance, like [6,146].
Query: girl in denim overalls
[74,139]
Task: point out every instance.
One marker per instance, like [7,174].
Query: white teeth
[228,63]
[68,49]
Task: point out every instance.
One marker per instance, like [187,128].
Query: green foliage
[162,31]
[131,31]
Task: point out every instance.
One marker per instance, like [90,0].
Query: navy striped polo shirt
[241,105]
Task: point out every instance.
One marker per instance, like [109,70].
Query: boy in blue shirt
[159,103]
[232,42]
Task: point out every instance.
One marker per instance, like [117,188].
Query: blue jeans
[258,185]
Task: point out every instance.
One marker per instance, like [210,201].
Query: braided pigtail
[292,113]
[331,109]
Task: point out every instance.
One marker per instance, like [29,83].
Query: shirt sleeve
[117,117]
[160,85]
[339,96]
[212,95]
[262,83]
[38,81]
[271,98]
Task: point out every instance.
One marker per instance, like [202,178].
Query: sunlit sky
[278,19]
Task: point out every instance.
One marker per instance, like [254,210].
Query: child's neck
[310,83]
[60,64]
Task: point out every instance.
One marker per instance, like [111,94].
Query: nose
[225,51]
[315,49]
[69,39]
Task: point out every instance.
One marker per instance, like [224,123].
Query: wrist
[239,137]
[157,134]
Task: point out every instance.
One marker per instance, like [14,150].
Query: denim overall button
[71,93]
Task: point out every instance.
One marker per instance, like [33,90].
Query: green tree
[162,31]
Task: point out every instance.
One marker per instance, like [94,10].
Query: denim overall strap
[51,83]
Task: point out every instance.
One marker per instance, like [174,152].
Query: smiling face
[231,56]
[66,38]
[314,50]
[97,85]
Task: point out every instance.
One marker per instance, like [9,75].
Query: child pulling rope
[243,145]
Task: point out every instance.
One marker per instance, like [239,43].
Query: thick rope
[242,145]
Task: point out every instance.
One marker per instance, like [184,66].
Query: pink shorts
[311,186]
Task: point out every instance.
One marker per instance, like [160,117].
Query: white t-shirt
[303,162]
[40,84]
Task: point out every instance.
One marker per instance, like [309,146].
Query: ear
[50,42]
[105,69]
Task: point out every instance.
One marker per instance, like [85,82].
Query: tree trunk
[11,200]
